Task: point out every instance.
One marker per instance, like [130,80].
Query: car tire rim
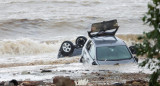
[66,47]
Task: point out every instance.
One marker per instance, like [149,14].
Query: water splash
[24,47]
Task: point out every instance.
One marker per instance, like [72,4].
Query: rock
[31,83]
[101,70]
[25,72]
[101,78]
[86,70]
[62,70]
[45,71]
[118,84]
[136,83]
[129,82]
[63,81]
[11,83]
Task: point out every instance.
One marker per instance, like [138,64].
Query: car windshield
[113,53]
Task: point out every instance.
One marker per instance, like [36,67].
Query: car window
[91,50]
[113,53]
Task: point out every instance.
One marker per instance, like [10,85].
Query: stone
[31,83]
[25,72]
[11,83]
[136,83]
[45,71]
[63,81]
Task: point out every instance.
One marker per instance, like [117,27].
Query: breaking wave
[28,46]
[25,47]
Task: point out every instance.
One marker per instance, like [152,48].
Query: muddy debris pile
[57,81]
[66,81]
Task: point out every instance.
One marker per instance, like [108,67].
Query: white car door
[89,53]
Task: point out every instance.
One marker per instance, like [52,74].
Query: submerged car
[106,50]
[102,47]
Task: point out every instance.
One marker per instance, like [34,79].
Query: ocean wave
[25,47]
[90,3]
[35,1]
[18,21]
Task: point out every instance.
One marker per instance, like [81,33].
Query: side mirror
[133,49]
[136,58]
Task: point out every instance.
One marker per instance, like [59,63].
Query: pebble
[25,72]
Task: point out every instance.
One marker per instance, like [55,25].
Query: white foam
[24,47]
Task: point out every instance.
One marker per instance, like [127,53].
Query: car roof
[107,41]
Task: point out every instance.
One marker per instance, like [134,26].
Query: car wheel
[80,41]
[67,48]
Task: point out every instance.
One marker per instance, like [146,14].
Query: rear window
[113,53]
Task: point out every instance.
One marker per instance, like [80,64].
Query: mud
[98,78]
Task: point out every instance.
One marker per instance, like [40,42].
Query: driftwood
[105,25]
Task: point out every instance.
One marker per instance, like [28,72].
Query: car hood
[125,61]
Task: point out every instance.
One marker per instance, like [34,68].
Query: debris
[63,81]
[31,83]
[101,78]
[25,72]
[44,71]
[137,83]
[81,82]
[11,83]
[118,84]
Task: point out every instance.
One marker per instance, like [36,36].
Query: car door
[89,52]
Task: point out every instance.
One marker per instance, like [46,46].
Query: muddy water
[71,67]
[49,19]
[31,32]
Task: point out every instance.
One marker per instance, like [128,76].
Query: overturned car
[102,46]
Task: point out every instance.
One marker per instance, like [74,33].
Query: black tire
[67,48]
[80,41]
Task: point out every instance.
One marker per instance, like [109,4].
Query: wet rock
[101,78]
[118,84]
[101,70]
[116,64]
[62,70]
[63,81]
[25,72]
[137,83]
[129,82]
[86,70]
[45,71]
[31,83]
[11,83]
